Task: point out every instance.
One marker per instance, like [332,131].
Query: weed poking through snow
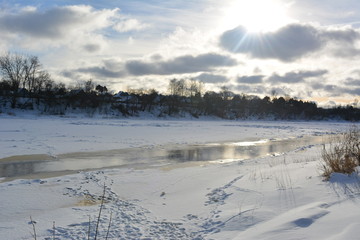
[342,155]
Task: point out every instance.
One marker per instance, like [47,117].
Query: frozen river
[32,165]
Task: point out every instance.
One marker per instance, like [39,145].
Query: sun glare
[256,15]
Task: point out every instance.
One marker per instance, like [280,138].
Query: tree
[21,71]
[226,94]
[89,86]
[177,87]
[5,86]
[31,72]
[42,79]
[101,89]
[12,68]
[195,88]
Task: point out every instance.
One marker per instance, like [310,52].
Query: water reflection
[152,157]
[16,169]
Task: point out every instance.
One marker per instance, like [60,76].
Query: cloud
[92,47]
[251,79]
[296,76]
[317,85]
[288,43]
[59,22]
[352,82]
[110,68]
[128,25]
[346,52]
[101,72]
[333,90]
[343,35]
[179,65]
[211,78]
[184,64]
[248,89]
[353,91]
[56,22]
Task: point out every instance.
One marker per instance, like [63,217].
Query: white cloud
[128,25]
[187,41]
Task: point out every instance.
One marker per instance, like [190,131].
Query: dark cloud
[317,85]
[183,64]
[331,89]
[92,47]
[346,52]
[98,72]
[354,91]
[138,68]
[286,44]
[352,82]
[351,87]
[68,74]
[50,24]
[251,79]
[211,78]
[56,22]
[186,64]
[347,35]
[296,76]
[338,91]
[101,72]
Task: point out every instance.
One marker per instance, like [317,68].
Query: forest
[25,85]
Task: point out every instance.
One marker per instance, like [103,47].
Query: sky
[299,48]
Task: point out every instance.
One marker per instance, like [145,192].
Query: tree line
[26,85]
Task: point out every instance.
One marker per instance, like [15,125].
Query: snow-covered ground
[279,196]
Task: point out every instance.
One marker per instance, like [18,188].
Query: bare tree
[178,87]
[195,88]
[32,71]
[42,79]
[89,86]
[22,71]
[12,69]
[226,94]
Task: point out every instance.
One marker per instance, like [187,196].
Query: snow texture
[277,196]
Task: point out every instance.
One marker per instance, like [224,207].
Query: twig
[53,230]
[108,230]
[101,206]
[89,228]
[33,224]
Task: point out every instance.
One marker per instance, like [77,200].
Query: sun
[256,15]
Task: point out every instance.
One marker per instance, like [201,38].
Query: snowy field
[276,196]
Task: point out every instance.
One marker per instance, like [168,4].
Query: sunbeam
[256,15]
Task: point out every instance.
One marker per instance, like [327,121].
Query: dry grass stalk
[343,154]
[33,225]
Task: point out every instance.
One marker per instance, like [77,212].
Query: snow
[278,196]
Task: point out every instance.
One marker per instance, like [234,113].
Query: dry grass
[342,154]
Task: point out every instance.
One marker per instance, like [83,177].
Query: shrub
[342,154]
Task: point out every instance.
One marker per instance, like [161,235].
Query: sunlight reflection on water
[156,156]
